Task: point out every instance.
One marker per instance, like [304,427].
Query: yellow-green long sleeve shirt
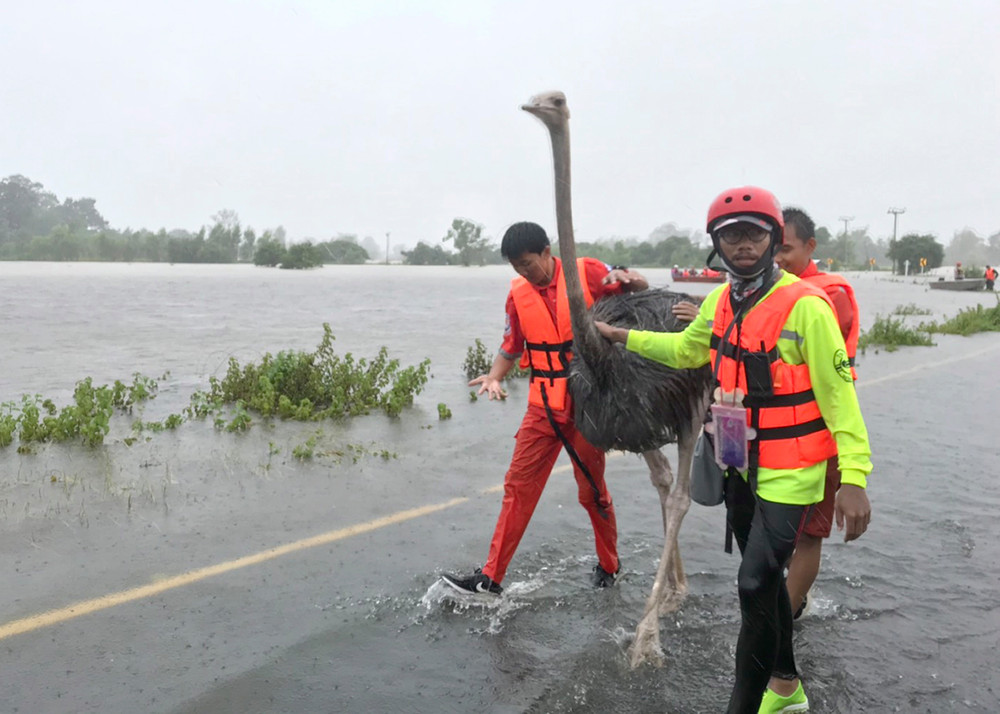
[810,336]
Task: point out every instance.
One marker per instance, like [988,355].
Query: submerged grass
[969,321]
[910,309]
[892,334]
[87,420]
[478,361]
[306,386]
[310,386]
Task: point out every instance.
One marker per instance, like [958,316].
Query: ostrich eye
[558,102]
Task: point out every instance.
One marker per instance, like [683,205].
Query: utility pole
[846,220]
[895,218]
[387,247]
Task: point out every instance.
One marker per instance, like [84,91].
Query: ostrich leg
[670,584]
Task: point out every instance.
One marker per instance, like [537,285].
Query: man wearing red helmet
[785,384]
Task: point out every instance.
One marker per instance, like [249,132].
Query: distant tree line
[36,225]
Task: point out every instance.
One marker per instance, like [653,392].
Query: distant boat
[964,284]
[678,276]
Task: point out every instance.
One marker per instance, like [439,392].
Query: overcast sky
[370,116]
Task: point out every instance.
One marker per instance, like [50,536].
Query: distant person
[538,332]
[774,338]
[991,276]
[959,274]
[795,256]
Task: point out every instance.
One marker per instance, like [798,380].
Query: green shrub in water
[310,386]
[87,419]
[478,362]
[969,321]
[910,309]
[892,334]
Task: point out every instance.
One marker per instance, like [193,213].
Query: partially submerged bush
[87,419]
[892,334]
[310,386]
[307,386]
[969,321]
[910,309]
[478,362]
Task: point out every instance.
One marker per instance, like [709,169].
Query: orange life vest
[547,343]
[991,274]
[790,430]
[829,280]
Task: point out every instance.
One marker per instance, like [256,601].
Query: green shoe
[773,703]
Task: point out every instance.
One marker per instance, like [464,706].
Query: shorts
[820,521]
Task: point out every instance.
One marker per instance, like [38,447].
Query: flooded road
[348,617]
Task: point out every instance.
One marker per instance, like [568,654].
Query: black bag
[708,481]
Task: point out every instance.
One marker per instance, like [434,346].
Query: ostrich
[623,401]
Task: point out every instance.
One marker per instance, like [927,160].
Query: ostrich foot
[645,647]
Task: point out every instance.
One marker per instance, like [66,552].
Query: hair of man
[523,237]
[805,228]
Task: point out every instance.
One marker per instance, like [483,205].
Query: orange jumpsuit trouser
[535,452]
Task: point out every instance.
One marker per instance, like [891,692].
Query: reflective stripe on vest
[830,280]
[547,345]
[791,433]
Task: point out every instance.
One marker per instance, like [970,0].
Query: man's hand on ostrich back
[632,282]
[612,334]
[685,311]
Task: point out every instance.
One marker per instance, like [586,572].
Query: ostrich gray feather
[627,402]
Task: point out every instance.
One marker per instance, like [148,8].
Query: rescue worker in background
[959,273]
[774,337]
[991,276]
[538,332]
[795,257]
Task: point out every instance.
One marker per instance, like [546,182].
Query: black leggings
[765,533]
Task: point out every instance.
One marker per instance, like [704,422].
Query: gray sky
[376,116]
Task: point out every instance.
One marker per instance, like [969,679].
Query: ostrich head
[550,107]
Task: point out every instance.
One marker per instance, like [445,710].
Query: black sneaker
[475,583]
[601,578]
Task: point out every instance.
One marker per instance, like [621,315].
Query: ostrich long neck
[585,335]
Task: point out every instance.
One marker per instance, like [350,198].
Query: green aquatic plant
[87,419]
[305,386]
[443,411]
[478,362]
[311,386]
[307,449]
[969,321]
[910,309]
[893,334]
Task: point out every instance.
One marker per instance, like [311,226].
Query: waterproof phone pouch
[731,436]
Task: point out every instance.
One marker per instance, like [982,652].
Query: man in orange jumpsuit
[538,333]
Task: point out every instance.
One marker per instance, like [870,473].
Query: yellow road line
[53,617]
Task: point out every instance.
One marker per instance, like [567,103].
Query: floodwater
[907,619]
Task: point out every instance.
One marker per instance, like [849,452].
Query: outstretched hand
[490,385]
[853,510]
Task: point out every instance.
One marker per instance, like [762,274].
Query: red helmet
[745,203]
